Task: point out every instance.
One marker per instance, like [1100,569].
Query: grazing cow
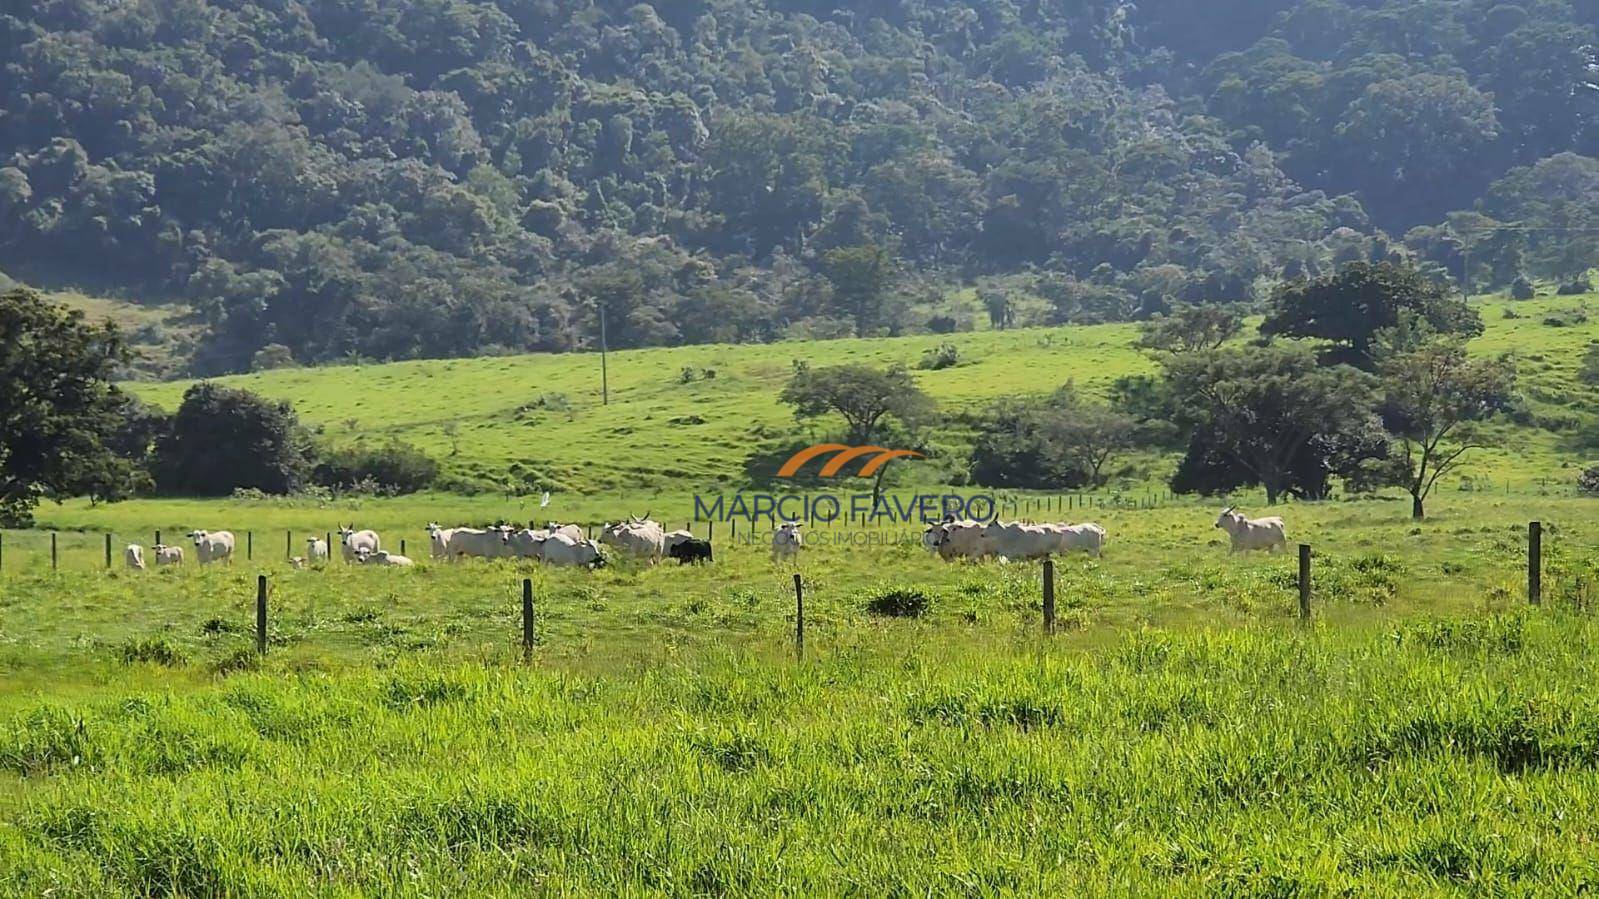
[477,543]
[383,558]
[1020,541]
[636,537]
[354,542]
[561,550]
[692,551]
[212,546]
[1088,538]
[1253,533]
[316,550]
[787,541]
[526,543]
[297,563]
[570,530]
[167,555]
[953,540]
[133,555]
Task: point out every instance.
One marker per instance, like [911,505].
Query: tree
[1351,307]
[1433,399]
[1052,443]
[861,395]
[223,439]
[58,406]
[860,276]
[1190,328]
[1269,416]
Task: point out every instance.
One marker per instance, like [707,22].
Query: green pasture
[526,421]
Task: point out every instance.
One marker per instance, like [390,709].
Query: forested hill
[334,179]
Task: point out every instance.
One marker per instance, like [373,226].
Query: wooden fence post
[799,617]
[402,546]
[53,556]
[1535,562]
[249,545]
[157,538]
[710,530]
[288,544]
[1304,582]
[528,635]
[327,540]
[108,550]
[261,614]
[1049,597]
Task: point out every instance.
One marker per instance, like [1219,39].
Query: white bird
[546,500]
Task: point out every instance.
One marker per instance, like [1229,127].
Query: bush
[1522,289]
[393,468]
[223,438]
[1575,287]
[1588,481]
[898,602]
[272,356]
[943,356]
[1566,318]
[942,324]
[153,650]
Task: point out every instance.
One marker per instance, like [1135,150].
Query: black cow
[692,552]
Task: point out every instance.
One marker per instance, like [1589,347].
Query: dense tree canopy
[346,178]
[58,408]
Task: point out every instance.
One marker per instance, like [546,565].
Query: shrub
[943,356]
[272,356]
[942,324]
[392,468]
[1588,481]
[1576,287]
[1522,289]
[153,650]
[898,602]
[1566,318]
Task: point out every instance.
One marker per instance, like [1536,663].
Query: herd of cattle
[641,538]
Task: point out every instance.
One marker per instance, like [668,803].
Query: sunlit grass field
[1183,733]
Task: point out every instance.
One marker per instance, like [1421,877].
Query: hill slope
[539,422]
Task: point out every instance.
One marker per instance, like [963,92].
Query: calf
[692,551]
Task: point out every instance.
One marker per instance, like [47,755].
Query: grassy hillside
[161,336]
[538,420]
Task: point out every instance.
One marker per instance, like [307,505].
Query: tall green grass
[1413,759]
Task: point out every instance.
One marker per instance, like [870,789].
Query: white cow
[560,549]
[477,543]
[167,555]
[957,540]
[1015,540]
[316,550]
[1248,534]
[1088,538]
[570,530]
[354,542]
[787,541]
[382,558]
[673,538]
[439,540]
[526,543]
[134,556]
[636,537]
[213,546]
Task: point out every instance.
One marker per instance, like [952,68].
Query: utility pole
[605,381]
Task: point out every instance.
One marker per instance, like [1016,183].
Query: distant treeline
[335,179]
